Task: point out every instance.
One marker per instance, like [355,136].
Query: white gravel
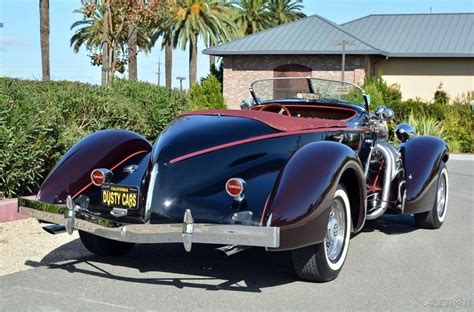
[24,244]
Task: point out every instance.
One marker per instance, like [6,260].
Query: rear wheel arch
[354,181]
[322,262]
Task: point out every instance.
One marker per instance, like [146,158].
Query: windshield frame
[257,101]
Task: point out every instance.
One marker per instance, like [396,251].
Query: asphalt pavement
[391,265]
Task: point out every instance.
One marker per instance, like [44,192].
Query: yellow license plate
[119,196]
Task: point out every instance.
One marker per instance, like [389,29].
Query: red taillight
[235,187]
[98,177]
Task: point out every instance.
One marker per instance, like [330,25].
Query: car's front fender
[300,201]
[422,157]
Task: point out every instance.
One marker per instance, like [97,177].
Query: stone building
[417,51]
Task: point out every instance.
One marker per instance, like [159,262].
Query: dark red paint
[103,149]
[276,121]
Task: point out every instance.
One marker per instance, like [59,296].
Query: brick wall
[240,71]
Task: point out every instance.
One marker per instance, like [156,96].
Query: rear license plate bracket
[119,196]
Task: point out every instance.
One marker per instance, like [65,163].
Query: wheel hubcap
[441,196]
[336,230]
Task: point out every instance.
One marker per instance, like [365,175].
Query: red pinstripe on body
[254,139]
[112,169]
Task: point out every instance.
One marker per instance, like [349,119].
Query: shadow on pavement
[391,224]
[248,271]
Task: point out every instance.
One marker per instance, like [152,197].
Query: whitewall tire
[323,262]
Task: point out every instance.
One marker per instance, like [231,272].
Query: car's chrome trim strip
[300,78]
[226,234]
[151,187]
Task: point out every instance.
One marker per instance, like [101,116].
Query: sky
[20,54]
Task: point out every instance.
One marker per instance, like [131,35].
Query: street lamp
[181,82]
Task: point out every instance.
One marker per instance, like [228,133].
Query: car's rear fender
[422,157]
[301,198]
[110,149]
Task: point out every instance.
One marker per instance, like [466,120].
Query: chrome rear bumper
[188,232]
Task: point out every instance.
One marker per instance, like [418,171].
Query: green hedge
[454,121]
[207,94]
[39,121]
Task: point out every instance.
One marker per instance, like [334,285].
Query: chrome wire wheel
[434,218]
[336,230]
[322,262]
[336,240]
[442,195]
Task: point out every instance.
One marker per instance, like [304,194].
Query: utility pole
[159,71]
[181,82]
[343,43]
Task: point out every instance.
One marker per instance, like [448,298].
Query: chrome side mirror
[245,104]
[379,111]
[384,113]
[404,132]
[388,114]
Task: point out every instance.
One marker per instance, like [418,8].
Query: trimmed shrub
[39,121]
[380,92]
[207,94]
[456,118]
[441,96]
[427,126]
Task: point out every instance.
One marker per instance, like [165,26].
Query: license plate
[119,196]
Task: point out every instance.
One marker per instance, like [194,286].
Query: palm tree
[168,62]
[166,32]
[284,11]
[91,31]
[252,16]
[44,38]
[132,53]
[132,49]
[212,20]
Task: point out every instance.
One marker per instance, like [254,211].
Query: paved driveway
[390,266]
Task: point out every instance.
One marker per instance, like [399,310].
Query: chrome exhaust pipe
[389,174]
[230,250]
[54,228]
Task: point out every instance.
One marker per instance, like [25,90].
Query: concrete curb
[466,157]
[8,210]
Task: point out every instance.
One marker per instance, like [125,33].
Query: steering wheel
[277,108]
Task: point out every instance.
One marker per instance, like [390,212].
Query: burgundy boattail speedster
[302,166]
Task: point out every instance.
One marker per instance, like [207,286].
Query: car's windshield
[307,89]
